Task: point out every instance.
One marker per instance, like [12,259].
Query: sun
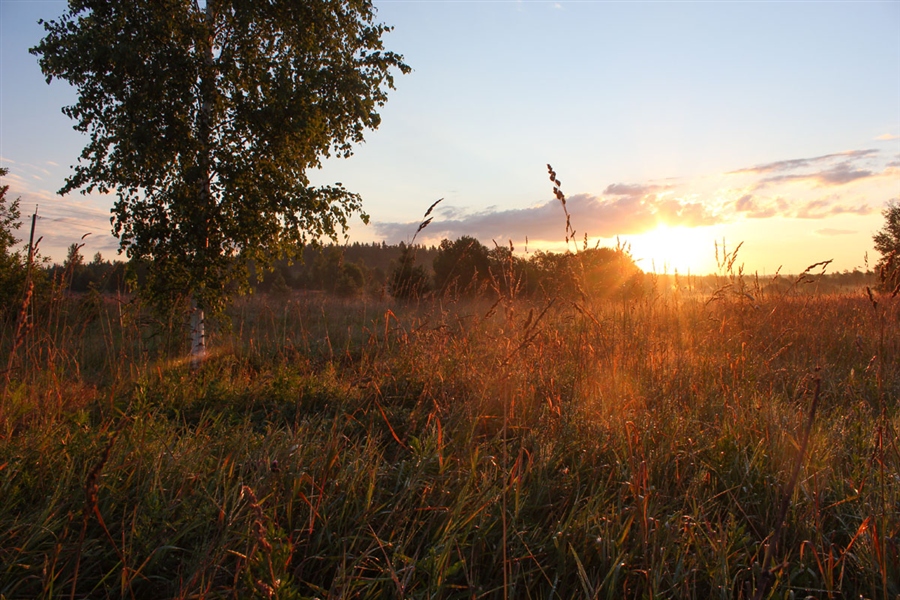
[668,249]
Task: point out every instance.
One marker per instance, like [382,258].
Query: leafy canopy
[204,120]
[9,221]
[887,243]
[463,264]
[408,281]
[12,268]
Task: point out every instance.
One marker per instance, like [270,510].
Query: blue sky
[670,124]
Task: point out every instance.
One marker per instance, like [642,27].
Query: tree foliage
[12,268]
[594,272]
[461,266]
[99,274]
[204,121]
[887,243]
[10,216]
[408,280]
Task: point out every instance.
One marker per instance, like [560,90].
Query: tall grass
[460,449]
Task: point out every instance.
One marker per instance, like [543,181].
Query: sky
[671,125]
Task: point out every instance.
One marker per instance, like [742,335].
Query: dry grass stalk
[767,575]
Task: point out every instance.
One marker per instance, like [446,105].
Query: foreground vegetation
[721,443]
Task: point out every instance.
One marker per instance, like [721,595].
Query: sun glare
[669,249]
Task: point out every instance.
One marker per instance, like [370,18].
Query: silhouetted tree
[12,266]
[887,243]
[461,266]
[407,279]
[352,280]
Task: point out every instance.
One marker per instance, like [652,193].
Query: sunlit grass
[526,449]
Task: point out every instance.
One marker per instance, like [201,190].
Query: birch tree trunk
[207,89]
[198,336]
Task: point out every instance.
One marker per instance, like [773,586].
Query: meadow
[736,441]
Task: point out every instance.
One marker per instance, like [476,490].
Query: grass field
[686,444]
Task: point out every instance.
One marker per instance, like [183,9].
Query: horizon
[663,271]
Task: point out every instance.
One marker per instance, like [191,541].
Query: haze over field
[670,125]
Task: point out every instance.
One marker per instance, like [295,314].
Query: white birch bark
[198,336]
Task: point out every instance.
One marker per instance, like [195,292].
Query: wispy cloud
[632,189]
[886,137]
[629,208]
[800,163]
[837,175]
[819,209]
[827,170]
[63,220]
[753,208]
[756,207]
[596,216]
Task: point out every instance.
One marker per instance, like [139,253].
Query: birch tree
[204,120]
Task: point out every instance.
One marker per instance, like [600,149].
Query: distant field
[551,447]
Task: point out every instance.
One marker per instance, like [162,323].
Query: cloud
[752,208]
[760,207]
[595,215]
[885,137]
[837,175]
[629,189]
[819,209]
[632,208]
[841,174]
[829,231]
[828,170]
[63,220]
[799,163]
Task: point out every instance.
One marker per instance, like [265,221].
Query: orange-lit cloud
[596,216]
[765,191]
[819,209]
[752,207]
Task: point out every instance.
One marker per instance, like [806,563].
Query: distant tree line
[466,267]
[77,275]
[461,268]
[453,269]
